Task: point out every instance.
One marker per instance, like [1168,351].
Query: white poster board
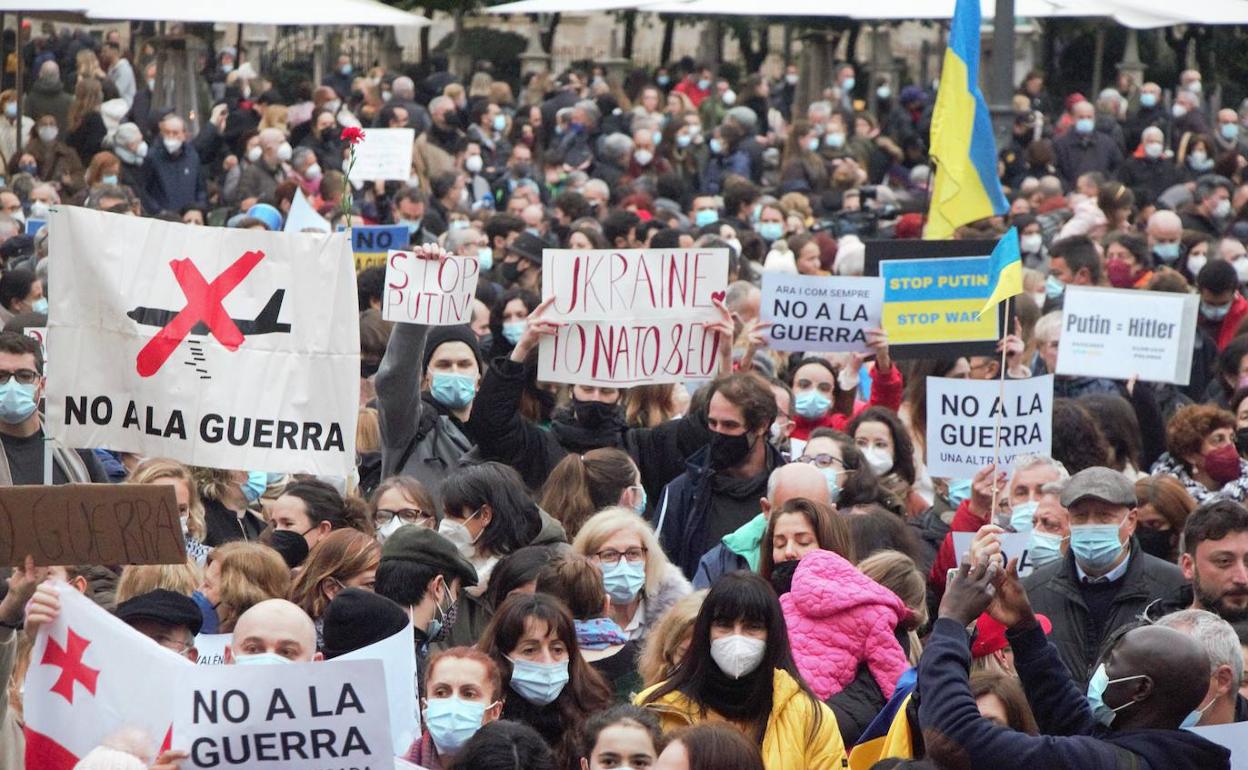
[1014,545]
[1117,333]
[284,716]
[431,292]
[821,314]
[385,154]
[632,316]
[1233,736]
[211,648]
[962,420]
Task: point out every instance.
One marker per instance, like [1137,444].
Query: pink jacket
[838,618]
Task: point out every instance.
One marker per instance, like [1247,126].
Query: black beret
[165,606]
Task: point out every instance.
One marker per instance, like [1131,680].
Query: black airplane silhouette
[265,322]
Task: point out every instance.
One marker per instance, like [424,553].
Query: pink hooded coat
[838,618]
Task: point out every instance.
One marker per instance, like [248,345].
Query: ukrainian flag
[888,735]
[963,149]
[1006,270]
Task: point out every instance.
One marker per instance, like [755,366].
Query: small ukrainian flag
[1006,271]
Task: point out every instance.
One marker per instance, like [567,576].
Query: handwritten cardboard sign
[963,417]
[385,153]
[1014,545]
[821,314]
[90,524]
[1116,333]
[632,316]
[429,291]
[372,243]
[327,714]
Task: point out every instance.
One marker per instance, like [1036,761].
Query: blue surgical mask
[109,179]
[538,683]
[1096,546]
[500,122]
[1213,312]
[1148,100]
[830,474]
[663,80]
[451,722]
[813,144]
[260,659]
[1022,516]
[1085,125]
[454,391]
[623,580]
[639,504]
[683,140]
[40,305]
[848,84]
[513,331]
[717,146]
[412,225]
[771,231]
[1096,694]
[1192,719]
[17,401]
[1053,288]
[1166,252]
[1230,131]
[704,85]
[254,486]
[1044,548]
[704,217]
[959,491]
[485,258]
[811,404]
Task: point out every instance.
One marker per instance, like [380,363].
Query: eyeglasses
[24,376]
[408,515]
[612,557]
[180,646]
[821,461]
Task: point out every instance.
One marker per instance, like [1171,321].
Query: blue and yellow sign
[372,243]
[936,300]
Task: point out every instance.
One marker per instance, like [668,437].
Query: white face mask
[1030,243]
[260,659]
[284,151]
[388,529]
[312,172]
[880,460]
[47,133]
[472,164]
[172,145]
[460,536]
[737,655]
[1195,262]
[253,154]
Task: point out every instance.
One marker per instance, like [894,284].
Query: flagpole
[996,442]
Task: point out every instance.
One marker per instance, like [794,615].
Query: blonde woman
[240,576]
[158,470]
[668,640]
[230,500]
[899,574]
[640,580]
[345,558]
[138,579]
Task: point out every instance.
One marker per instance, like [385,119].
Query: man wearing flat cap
[168,618]
[1105,580]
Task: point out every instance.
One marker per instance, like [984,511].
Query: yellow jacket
[787,744]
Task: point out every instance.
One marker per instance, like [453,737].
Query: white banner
[216,347]
[821,314]
[385,153]
[397,654]
[1117,333]
[327,714]
[632,316]
[211,648]
[431,292]
[1014,545]
[962,423]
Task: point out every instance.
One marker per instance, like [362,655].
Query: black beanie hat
[357,618]
[442,334]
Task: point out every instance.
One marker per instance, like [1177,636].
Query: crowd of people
[734,574]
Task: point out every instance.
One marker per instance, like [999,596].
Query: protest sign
[962,419]
[303,217]
[429,291]
[217,347]
[211,648]
[397,654]
[34,225]
[90,524]
[296,715]
[820,314]
[1233,736]
[1111,333]
[1014,545]
[385,153]
[632,316]
[372,244]
[933,292]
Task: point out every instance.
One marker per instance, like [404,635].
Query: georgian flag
[91,675]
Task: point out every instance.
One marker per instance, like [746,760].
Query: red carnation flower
[352,135]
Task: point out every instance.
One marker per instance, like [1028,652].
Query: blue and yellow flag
[1006,270]
[963,149]
[888,735]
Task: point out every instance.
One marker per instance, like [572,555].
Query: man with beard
[1215,559]
[594,419]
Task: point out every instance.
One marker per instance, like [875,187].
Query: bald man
[1151,173]
[273,631]
[1165,233]
[1149,684]
[265,171]
[739,550]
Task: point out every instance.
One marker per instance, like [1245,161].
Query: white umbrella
[284,12]
[565,6]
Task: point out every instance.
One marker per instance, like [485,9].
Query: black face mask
[510,271]
[592,415]
[1241,441]
[290,545]
[369,368]
[728,451]
[327,135]
[1156,542]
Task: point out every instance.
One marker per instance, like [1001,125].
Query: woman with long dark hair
[550,687]
[739,669]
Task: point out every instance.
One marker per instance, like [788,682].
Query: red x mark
[69,658]
[203,303]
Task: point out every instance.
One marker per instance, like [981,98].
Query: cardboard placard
[431,292]
[632,316]
[962,417]
[933,291]
[372,243]
[1013,545]
[385,153]
[90,524]
[820,314]
[1117,333]
[331,713]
